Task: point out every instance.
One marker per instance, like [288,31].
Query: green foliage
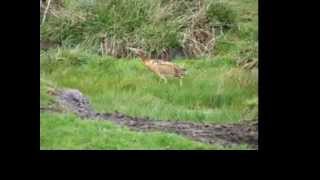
[240,43]
[45,85]
[157,37]
[220,14]
[152,25]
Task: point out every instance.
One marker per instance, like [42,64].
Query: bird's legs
[180,82]
[162,78]
[165,79]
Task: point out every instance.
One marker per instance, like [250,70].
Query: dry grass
[157,26]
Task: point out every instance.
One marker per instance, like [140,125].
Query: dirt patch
[224,134]
[45,45]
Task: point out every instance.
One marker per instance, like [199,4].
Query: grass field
[215,90]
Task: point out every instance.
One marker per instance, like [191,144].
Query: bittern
[160,67]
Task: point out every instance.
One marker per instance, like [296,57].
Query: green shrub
[152,25]
[220,14]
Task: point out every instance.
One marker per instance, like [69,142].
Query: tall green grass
[149,24]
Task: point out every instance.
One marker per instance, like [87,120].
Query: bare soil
[227,135]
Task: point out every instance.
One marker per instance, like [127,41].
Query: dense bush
[153,25]
[221,15]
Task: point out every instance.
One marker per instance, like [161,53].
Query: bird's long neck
[144,58]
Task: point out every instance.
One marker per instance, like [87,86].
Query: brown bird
[160,67]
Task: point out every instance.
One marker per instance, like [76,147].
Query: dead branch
[45,12]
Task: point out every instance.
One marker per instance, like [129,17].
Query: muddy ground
[224,134]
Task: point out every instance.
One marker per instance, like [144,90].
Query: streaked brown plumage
[160,67]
